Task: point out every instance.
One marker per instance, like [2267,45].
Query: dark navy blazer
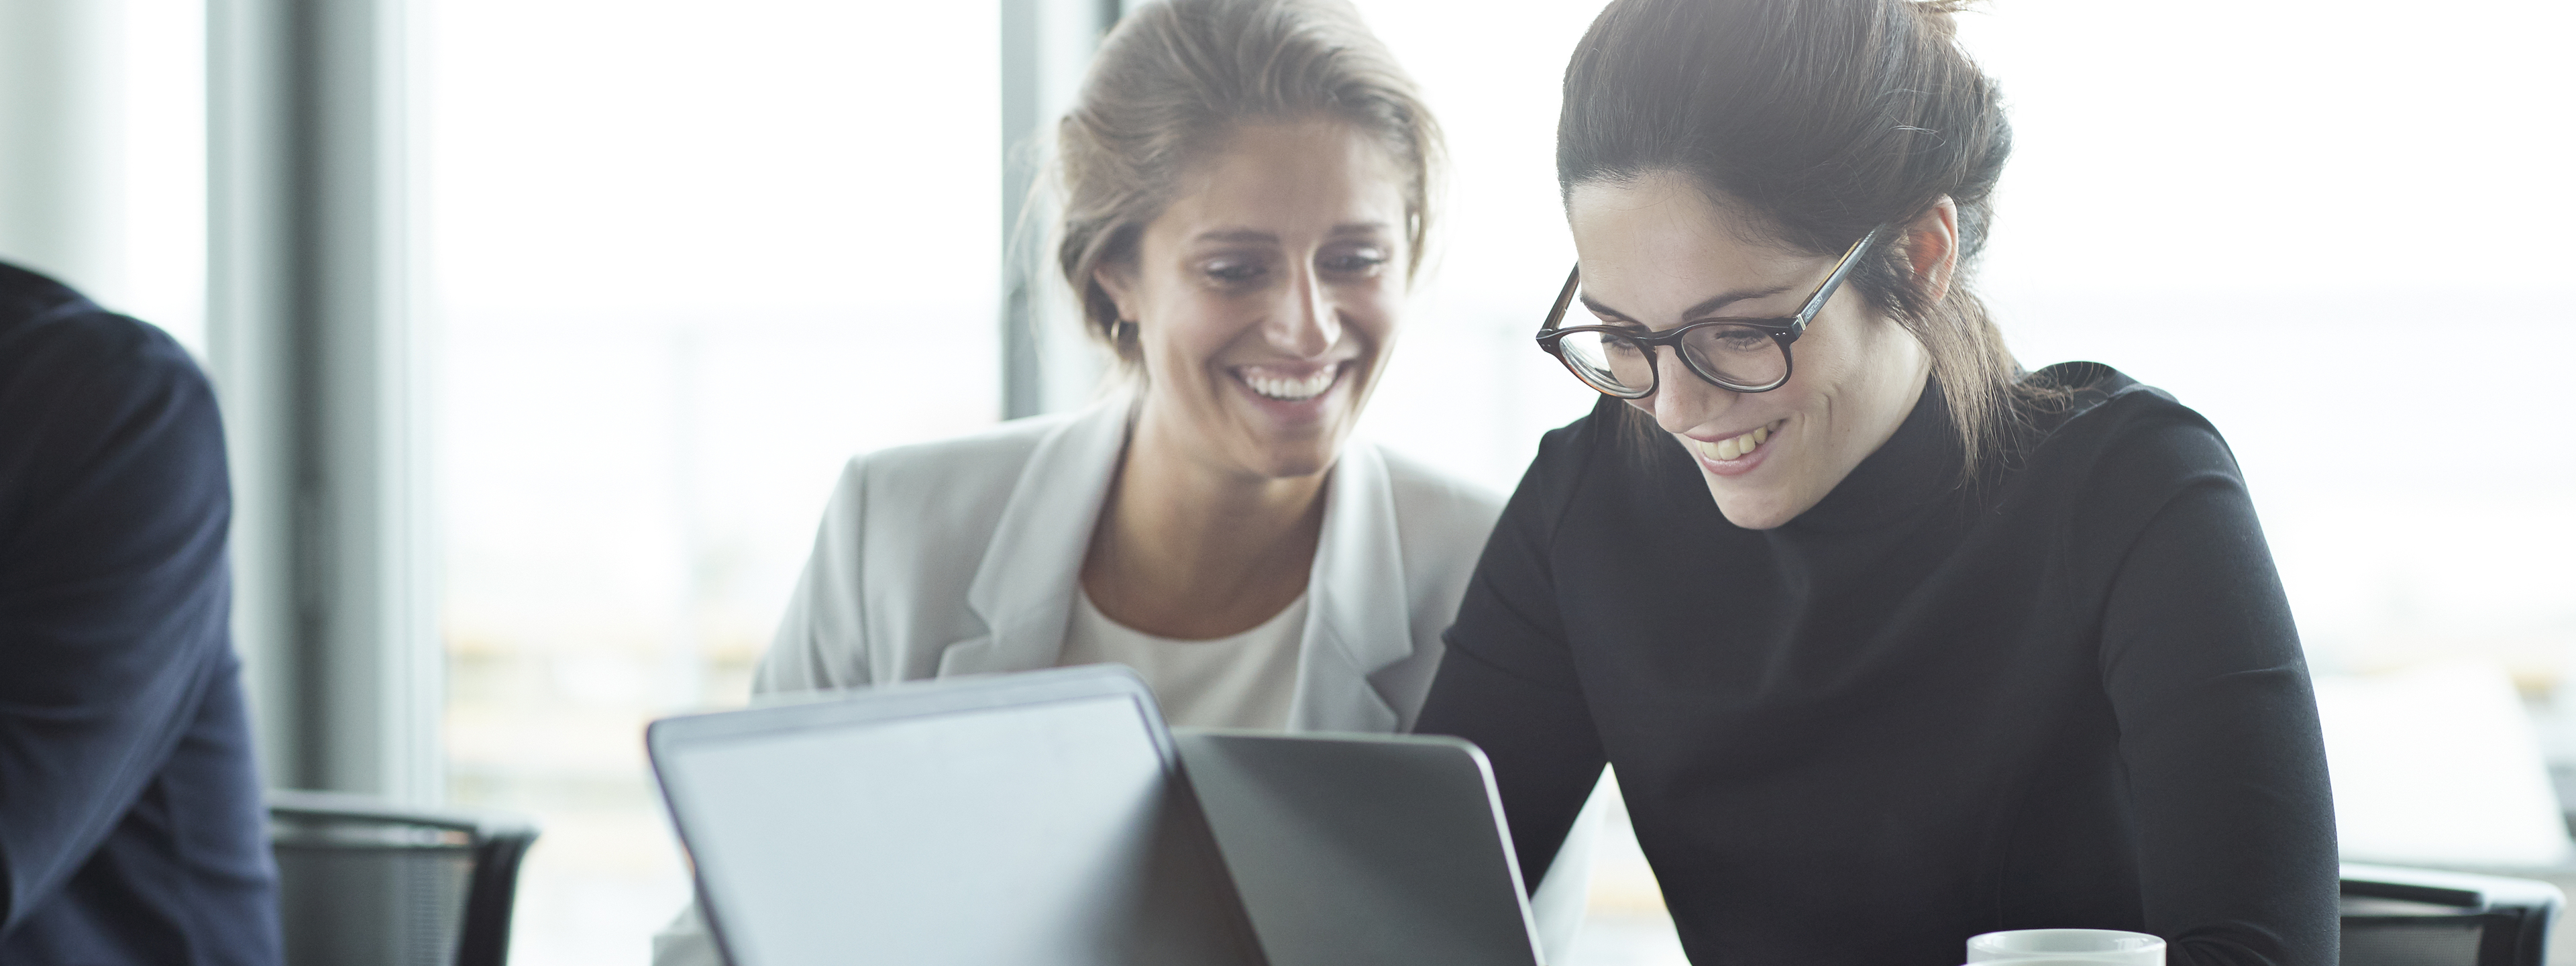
[130,820]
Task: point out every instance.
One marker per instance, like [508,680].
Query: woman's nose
[1304,323]
[1682,399]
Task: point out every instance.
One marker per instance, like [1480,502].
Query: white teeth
[1291,390]
[1735,446]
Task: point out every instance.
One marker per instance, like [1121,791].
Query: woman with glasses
[1247,192]
[1893,643]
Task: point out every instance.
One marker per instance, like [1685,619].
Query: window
[681,257]
[2285,222]
[103,153]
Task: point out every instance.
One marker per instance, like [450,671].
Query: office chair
[364,880]
[2419,917]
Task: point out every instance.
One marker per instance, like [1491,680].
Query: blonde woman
[1247,194]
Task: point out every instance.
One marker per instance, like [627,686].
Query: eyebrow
[1257,236]
[1704,309]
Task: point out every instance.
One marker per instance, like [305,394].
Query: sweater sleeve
[114,591]
[2218,729]
[1508,680]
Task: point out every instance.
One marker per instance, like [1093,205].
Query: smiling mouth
[1737,447]
[1285,388]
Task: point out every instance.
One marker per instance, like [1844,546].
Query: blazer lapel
[1357,619]
[1023,589]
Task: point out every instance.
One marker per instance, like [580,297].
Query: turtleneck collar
[1917,466]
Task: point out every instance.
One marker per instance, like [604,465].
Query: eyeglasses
[1740,355]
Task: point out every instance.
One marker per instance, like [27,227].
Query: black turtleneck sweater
[2071,697]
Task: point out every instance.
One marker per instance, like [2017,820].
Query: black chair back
[364,880]
[2419,917]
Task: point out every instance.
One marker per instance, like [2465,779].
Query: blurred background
[543,327]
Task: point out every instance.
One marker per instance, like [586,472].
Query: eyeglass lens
[1730,355]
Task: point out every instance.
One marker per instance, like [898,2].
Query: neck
[1191,549]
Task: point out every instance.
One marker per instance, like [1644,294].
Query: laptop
[1049,818]
[1359,850]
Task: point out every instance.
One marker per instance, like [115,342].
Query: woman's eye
[1362,261]
[1233,272]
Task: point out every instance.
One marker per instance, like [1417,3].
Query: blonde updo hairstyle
[1175,79]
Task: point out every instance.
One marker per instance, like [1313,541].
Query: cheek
[1369,311]
[1375,324]
[1854,383]
[1834,362]
[1189,331]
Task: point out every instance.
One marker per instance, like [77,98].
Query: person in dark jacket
[131,827]
[1892,643]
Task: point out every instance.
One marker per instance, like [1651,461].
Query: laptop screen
[1049,833]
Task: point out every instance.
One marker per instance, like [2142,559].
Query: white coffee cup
[2029,947]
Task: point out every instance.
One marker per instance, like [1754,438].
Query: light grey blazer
[963,557]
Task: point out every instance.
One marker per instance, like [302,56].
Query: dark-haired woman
[1892,642]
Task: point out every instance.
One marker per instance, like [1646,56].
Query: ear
[1932,247]
[1119,280]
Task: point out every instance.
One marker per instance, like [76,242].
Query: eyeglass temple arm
[1564,298]
[1825,292]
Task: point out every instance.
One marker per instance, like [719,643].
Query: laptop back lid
[1022,820]
[1364,850]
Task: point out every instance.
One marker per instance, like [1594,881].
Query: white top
[1240,681]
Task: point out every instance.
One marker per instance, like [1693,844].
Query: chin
[1303,445]
[1760,509]
[1304,458]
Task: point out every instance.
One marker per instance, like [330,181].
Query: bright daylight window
[105,185]
[685,259]
[673,245]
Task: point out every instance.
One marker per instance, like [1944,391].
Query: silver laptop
[1049,819]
